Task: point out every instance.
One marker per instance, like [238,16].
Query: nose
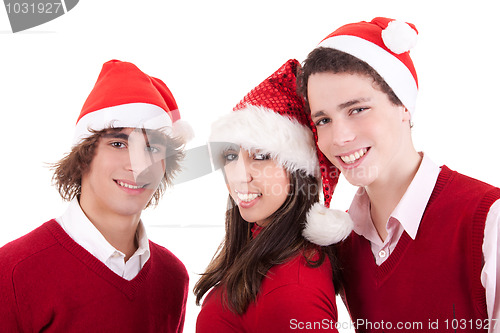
[140,160]
[239,171]
[341,132]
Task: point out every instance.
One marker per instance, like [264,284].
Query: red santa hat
[124,96]
[385,45]
[271,118]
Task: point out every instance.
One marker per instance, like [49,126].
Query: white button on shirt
[382,254]
[76,224]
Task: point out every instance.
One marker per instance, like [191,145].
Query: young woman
[425,246]
[266,277]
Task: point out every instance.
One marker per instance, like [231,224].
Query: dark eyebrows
[341,106]
[318,114]
[151,136]
[155,137]
[116,135]
[352,102]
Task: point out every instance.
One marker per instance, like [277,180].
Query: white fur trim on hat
[393,71]
[326,226]
[260,128]
[135,115]
[182,129]
[399,37]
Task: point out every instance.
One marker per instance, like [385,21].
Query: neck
[120,231]
[386,193]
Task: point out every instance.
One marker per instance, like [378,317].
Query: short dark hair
[69,170]
[326,59]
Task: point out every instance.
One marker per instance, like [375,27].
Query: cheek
[324,144]
[154,173]
[228,173]
[228,186]
[277,184]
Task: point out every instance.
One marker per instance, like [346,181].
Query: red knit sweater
[432,283]
[293,296]
[50,283]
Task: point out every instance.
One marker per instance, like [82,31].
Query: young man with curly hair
[93,268]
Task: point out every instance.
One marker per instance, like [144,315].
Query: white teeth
[129,186]
[354,157]
[247,197]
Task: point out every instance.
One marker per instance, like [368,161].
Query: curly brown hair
[326,59]
[69,170]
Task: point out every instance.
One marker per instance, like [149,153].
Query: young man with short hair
[94,269]
[425,242]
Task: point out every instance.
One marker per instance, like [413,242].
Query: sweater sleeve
[184,302]
[491,269]
[297,307]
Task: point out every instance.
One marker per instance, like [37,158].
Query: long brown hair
[69,170]
[241,262]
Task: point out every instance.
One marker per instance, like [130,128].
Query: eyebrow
[318,114]
[345,105]
[151,137]
[116,135]
[352,102]
[154,137]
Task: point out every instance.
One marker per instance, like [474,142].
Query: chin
[361,176]
[131,209]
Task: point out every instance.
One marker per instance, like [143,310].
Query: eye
[151,149]
[118,144]
[358,110]
[261,156]
[322,121]
[230,156]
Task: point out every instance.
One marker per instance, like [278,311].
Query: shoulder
[468,182]
[166,258]
[35,243]
[298,273]
[457,190]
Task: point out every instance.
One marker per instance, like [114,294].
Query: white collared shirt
[76,224]
[407,216]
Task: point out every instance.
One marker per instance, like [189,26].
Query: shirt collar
[410,208]
[82,231]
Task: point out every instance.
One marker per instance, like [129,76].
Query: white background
[210,54]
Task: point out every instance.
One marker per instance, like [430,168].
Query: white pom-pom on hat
[326,226]
[399,37]
[182,129]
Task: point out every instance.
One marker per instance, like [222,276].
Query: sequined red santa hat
[384,44]
[124,96]
[271,118]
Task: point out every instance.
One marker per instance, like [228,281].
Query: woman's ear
[406,114]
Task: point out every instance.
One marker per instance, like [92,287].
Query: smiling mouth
[247,197]
[352,158]
[133,187]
